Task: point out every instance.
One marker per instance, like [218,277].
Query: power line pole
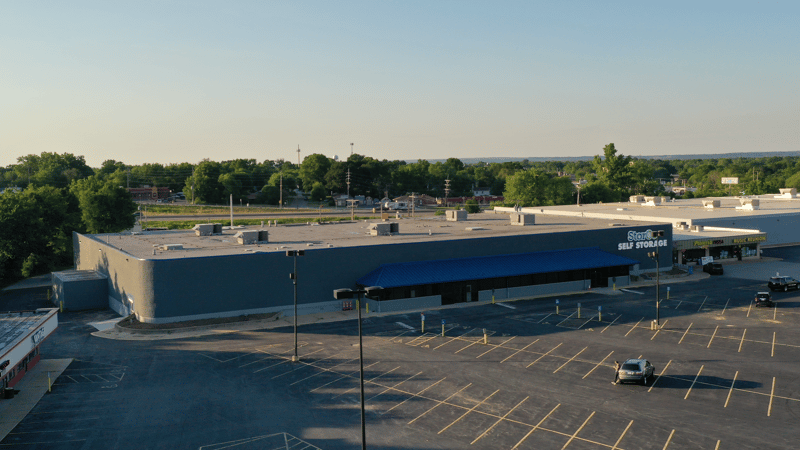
[348,182]
[298,154]
[446,191]
[280,200]
[351,149]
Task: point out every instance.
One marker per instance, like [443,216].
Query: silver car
[639,370]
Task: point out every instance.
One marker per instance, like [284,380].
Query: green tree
[313,170]
[205,183]
[36,228]
[105,207]
[51,169]
[526,188]
[615,171]
[318,192]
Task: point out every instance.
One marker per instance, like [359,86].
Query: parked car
[783,284]
[713,268]
[639,370]
[764,299]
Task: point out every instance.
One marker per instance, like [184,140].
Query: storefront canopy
[486,267]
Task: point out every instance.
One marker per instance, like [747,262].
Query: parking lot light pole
[293,276]
[654,256]
[340,294]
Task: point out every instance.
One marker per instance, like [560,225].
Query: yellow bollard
[599,313]
[615,286]
[48,295]
[367,308]
[557,306]
[443,328]
[49,383]
[579,310]
[422,318]
[485,337]
[493,299]
[62,306]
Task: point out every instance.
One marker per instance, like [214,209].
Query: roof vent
[171,247]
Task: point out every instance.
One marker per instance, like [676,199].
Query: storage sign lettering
[641,239]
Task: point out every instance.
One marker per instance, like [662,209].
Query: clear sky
[179,81]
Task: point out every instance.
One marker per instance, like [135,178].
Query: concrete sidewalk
[32,388]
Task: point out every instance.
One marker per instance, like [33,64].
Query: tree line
[48,196]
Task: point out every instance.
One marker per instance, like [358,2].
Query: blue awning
[485,267]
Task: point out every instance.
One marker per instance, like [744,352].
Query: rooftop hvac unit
[522,219]
[452,215]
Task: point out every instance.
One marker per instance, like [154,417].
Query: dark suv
[713,268]
[763,299]
[783,283]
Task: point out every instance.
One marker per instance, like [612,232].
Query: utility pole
[280,200]
[348,182]
[446,191]
[298,154]
[193,185]
[413,198]
[351,149]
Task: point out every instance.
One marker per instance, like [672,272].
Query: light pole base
[295,358]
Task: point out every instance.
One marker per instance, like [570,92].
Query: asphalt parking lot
[727,377]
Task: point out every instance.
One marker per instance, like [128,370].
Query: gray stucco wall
[780,229]
[167,290]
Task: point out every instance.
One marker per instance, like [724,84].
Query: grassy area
[188,224]
[199,210]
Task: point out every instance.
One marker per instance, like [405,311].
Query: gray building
[168,276]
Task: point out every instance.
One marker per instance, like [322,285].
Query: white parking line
[409,327]
[522,349]
[693,382]
[548,352]
[634,327]
[598,364]
[685,333]
[578,430]
[659,376]
[725,307]
[570,360]
[771,396]
[701,304]
[507,306]
[612,323]
[712,336]
[742,342]
[731,390]
[536,426]
[632,292]
[666,444]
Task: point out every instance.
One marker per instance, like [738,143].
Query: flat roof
[16,325]
[677,210]
[148,244]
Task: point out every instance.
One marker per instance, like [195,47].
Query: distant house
[481,192]
[149,193]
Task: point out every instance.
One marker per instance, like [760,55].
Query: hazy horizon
[158,82]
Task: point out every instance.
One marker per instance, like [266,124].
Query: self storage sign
[642,239]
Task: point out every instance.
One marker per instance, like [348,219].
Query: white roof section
[16,326]
[151,244]
[689,211]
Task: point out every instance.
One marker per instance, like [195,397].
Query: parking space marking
[771,396]
[731,390]
[413,396]
[659,329]
[666,444]
[717,446]
[469,411]
[712,336]
[598,365]
[659,375]
[701,304]
[535,427]
[454,338]
[614,447]
[612,323]
[742,342]
[570,360]
[393,387]
[408,327]
[548,352]
[522,349]
[634,327]
[693,382]
[545,317]
[749,308]
[507,306]
[773,345]
[495,347]
[499,420]
[572,438]
[285,360]
[439,403]
[268,357]
[309,364]
[324,369]
[367,381]
[725,307]
[342,377]
[567,318]
[414,342]
[466,347]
